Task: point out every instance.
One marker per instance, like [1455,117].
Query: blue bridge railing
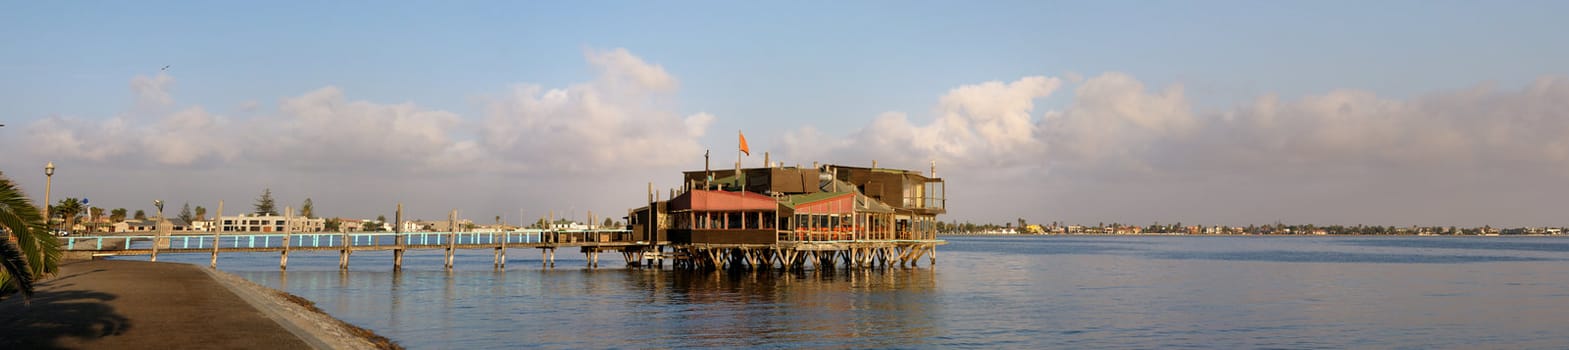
[328,240]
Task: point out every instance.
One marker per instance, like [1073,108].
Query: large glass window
[934,195]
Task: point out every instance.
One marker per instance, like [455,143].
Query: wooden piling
[547,256]
[215,233]
[495,259]
[397,229]
[592,255]
[501,252]
[162,236]
[452,233]
[933,257]
[343,255]
[288,230]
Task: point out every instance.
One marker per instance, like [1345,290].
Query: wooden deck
[785,254]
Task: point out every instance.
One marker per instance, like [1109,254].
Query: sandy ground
[102,304]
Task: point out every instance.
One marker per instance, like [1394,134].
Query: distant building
[270,223]
[134,225]
[203,225]
[571,225]
[352,225]
[414,226]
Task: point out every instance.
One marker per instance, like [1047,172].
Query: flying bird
[164,68]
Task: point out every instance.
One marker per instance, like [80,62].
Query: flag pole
[740,147]
[740,136]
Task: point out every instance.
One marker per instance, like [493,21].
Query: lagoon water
[985,292]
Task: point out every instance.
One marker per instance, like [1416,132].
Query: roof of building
[868,205]
[151,222]
[794,200]
[722,200]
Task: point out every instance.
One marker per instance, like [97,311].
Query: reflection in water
[1342,257]
[985,292]
[867,307]
[395,305]
[616,308]
[1532,244]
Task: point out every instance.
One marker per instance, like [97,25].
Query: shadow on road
[56,315]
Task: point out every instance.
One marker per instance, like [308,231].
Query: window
[934,193]
[733,221]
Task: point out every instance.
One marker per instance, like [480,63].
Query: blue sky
[774,68]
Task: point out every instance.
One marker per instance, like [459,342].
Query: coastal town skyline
[1397,114]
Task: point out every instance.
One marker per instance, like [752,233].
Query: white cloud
[618,69]
[1113,123]
[1115,134]
[986,123]
[186,137]
[315,130]
[1114,138]
[697,124]
[1114,119]
[323,128]
[249,106]
[1481,126]
[80,139]
[807,143]
[620,120]
[153,91]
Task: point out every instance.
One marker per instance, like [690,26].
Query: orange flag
[744,149]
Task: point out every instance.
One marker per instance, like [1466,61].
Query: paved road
[102,304]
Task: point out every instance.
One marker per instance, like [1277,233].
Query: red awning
[830,204]
[702,200]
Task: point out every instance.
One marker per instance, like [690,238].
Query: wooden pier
[591,243]
[825,217]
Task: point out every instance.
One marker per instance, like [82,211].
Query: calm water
[1043,292]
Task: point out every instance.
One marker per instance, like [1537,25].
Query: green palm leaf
[39,251]
[18,276]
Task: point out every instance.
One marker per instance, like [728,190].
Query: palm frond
[12,263]
[18,215]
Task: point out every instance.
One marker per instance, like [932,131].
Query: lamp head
[158,203]
[49,169]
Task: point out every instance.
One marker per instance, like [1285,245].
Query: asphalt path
[113,304]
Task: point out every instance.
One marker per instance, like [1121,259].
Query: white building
[414,226]
[270,223]
[569,226]
[202,225]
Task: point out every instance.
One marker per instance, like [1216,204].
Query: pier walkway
[591,242]
[789,252]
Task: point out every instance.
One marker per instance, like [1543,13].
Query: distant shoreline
[1213,235]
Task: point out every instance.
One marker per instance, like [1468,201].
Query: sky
[1201,112]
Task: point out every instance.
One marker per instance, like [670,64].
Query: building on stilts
[825,216]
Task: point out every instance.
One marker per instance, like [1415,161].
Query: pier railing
[846,235]
[338,239]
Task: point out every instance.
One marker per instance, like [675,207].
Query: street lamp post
[48,186]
